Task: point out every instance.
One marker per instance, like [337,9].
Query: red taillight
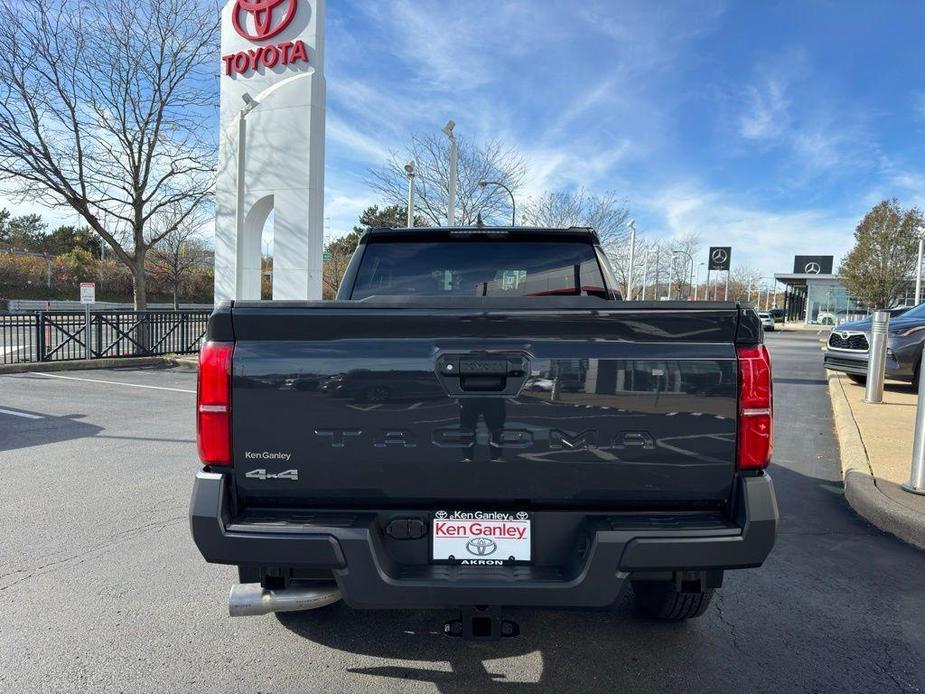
[213,403]
[755,408]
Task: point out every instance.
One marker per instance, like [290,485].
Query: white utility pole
[250,103]
[409,172]
[918,268]
[645,273]
[451,201]
[629,272]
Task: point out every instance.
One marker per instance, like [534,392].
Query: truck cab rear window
[479,268]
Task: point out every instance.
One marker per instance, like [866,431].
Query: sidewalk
[876,454]
[803,328]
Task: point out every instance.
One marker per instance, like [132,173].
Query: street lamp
[918,267]
[629,273]
[451,202]
[250,103]
[482,185]
[409,172]
[697,288]
[645,273]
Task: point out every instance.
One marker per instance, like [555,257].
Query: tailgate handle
[502,375]
[484,367]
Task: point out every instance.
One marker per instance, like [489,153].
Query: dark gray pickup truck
[478,421]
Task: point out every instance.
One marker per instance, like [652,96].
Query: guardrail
[64,335]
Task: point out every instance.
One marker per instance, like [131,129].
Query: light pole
[697,288]
[482,184]
[918,267]
[451,202]
[645,273]
[629,272]
[250,103]
[409,172]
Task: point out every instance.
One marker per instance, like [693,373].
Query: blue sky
[768,126]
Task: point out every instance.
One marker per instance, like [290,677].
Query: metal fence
[62,335]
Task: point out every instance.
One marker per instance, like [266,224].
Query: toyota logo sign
[812,268]
[263,12]
[269,17]
[481,546]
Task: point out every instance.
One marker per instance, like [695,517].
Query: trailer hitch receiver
[481,623]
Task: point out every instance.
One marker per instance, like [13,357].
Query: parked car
[849,343]
[767,320]
[642,465]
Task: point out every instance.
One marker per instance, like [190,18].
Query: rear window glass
[478,268]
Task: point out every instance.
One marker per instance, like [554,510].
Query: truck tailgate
[576,403]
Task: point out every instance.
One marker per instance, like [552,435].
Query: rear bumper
[369,576]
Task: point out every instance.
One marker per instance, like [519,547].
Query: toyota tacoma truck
[479,421]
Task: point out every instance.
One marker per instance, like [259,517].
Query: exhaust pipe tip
[252,599]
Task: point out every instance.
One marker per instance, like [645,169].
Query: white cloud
[766,116]
[361,145]
[766,239]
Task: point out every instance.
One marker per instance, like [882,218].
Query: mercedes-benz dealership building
[815,295]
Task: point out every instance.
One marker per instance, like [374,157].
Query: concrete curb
[189,362]
[80,364]
[861,488]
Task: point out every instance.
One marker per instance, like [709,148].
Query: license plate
[481,538]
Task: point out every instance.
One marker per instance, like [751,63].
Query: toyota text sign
[259,21]
[720,257]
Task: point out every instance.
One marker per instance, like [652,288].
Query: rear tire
[858,378]
[662,600]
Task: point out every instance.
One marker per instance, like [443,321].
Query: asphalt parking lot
[101,587]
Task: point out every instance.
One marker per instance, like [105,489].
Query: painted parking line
[112,383]
[25,415]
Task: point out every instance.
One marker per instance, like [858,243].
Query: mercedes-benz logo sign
[719,255]
[481,546]
[263,12]
[812,268]
[441,514]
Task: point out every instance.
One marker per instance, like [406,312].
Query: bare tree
[101,109]
[176,256]
[607,213]
[678,254]
[491,161]
[744,284]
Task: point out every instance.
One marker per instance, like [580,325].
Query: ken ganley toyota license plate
[481,538]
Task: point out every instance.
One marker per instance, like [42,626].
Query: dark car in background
[849,344]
